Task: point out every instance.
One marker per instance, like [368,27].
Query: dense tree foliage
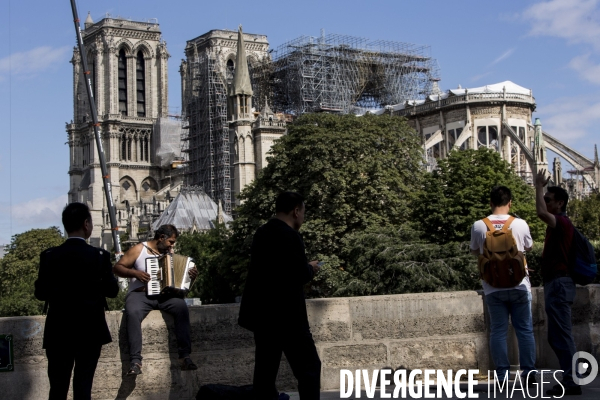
[207,250]
[355,173]
[19,269]
[458,193]
[394,261]
[585,215]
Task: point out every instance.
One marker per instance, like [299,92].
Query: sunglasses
[548,199]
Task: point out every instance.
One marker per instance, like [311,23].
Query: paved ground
[590,392]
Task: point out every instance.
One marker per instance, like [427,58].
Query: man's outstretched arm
[540,204]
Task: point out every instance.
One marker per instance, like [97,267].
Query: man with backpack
[559,287]
[499,241]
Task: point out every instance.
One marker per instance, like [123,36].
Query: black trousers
[137,307]
[299,349]
[60,365]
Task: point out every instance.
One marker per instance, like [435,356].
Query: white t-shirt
[140,265]
[520,231]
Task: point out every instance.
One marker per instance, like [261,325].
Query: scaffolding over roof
[347,74]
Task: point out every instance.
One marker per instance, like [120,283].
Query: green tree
[19,269]
[394,261]
[206,248]
[585,215]
[354,172]
[456,195]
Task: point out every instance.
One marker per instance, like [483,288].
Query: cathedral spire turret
[241,79]
[240,100]
[266,110]
[539,149]
[88,21]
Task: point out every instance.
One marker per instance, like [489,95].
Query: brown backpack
[501,265]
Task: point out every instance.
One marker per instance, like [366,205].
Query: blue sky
[551,47]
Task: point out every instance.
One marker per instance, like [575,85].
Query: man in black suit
[75,279]
[273,305]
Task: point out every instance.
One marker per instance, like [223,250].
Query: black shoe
[559,391]
[188,365]
[134,369]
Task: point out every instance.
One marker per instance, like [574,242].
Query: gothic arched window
[147,158]
[140,73]
[122,83]
[124,147]
[230,70]
[142,149]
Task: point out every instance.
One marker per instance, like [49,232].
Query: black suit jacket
[274,292]
[75,278]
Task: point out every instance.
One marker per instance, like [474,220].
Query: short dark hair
[288,201]
[74,216]
[500,196]
[560,194]
[167,230]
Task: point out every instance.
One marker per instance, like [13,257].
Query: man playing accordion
[139,302]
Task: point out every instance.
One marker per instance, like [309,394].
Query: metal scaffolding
[333,73]
[207,141]
[346,74]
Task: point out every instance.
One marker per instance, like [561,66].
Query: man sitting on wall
[138,304]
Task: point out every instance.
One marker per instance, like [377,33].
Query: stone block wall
[427,330]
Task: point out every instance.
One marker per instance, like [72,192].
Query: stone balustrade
[446,330]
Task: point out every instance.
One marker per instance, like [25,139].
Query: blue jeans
[559,294]
[517,304]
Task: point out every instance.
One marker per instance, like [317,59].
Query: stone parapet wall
[428,330]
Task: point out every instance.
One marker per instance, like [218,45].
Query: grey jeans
[137,307]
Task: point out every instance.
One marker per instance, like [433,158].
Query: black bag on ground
[224,392]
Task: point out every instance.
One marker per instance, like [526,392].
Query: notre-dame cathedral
[142,142]
[228,82]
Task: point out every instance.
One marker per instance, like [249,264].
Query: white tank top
[140,265]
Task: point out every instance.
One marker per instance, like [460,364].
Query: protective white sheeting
[511,87]
[495,88]
[167,141]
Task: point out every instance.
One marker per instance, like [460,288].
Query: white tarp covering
[495,88]
[167,141]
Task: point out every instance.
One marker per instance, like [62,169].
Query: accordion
[169,274]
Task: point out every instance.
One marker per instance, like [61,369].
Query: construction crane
[105,176]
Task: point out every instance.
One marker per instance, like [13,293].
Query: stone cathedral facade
[231,126]
[128,70]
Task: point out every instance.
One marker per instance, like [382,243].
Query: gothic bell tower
[128,70]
